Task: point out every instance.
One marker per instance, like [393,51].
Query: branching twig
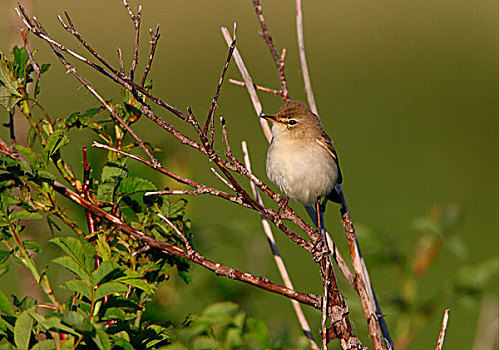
[217,268]
[363,285]
[258,87]
[249,85]
[30,55]
[154,41]
[188,246]
[268,39]
[333,303]
[37,29]
[136,24]
[210,118]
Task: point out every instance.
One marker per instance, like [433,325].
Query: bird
[301,158]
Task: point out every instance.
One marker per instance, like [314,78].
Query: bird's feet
[282,203]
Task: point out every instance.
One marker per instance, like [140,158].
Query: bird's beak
[271,118]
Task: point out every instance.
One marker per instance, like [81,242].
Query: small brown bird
[301,159]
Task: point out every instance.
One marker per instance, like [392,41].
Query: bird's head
[294,119]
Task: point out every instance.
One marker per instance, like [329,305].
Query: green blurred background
[407,90]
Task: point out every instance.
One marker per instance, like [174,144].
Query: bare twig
[178,232]
[220,177]
[37,29]
[337,311]
[154,42]
[272,215]
[136,23]
[363,285]
[217,268]
[200,188]
[277,257]
[120,61]
[303,58]
[258,87]
[210,118]
[249,85]
[70,28]
[268,39]
[30,55]
[441,336]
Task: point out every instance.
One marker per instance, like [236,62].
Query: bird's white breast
[304,171]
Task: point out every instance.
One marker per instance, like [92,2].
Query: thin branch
[277,256]
[258,87]
[178,232]
[363,285]
[249,85]
[303,58]
[268,39]
[136,24]
[265,127]
[40,31]
[180,179]
[154,42]
[70,28]
[210,119]
[120,62]
[217,268]
[220,177]
[30,55]
[441,336]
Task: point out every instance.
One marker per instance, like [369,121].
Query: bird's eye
[292,122]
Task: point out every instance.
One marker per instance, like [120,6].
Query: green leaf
[22,330]
[110,288]
[102,340]
[84,119]
[4,254]
[78,286]
[5,345]
[132,185]
[113,172]
[24,215]
[205,342]
[7,78]
[5,305]
[114,313]
[20,58]
[4,268]
[47,344]
[137,283]
[32,245]
[73,266]
[257,331]
[28,153]
[78,321]
[175,209]
[122,343]
[25,304]
[44,67]
[105,192]
[80,250]
[51,323]
[105,268]
[55,141]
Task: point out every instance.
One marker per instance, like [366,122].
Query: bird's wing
[325,141]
